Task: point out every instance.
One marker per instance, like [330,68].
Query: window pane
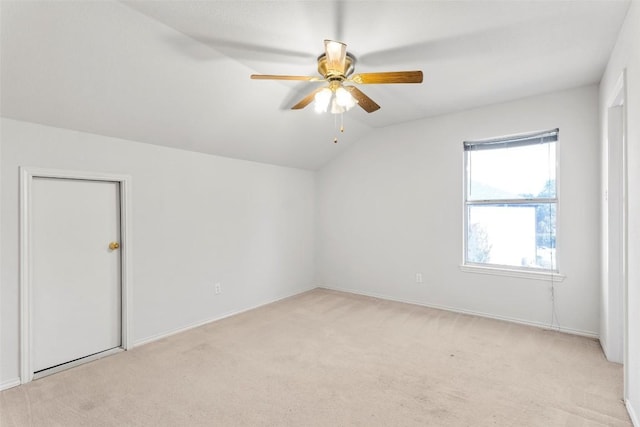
[518,235]
[512,173]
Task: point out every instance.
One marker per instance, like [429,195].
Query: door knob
[114,245]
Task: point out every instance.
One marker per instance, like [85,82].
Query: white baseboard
[9,384]
[632,413]
[161,335]
[541,325]
[604,345]
[613,358]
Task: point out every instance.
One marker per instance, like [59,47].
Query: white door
[76,281]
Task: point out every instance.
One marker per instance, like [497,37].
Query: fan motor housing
[350,61]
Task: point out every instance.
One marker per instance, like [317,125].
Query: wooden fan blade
[388,77]
[364,101]
[306,100]
[279,77]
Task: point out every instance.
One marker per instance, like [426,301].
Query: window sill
[522,274]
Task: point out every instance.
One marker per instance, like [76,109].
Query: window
[511,202]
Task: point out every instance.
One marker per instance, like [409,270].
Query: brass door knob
[114,245]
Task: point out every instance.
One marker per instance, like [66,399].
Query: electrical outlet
[419,278]
[218,288]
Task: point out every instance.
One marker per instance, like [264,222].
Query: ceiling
[176,73]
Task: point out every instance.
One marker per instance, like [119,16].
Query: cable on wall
[555,321]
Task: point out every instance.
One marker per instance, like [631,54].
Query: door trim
[27,174]
[619,99]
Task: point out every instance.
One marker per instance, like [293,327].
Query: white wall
[197,219]
[392,206]
[626,55]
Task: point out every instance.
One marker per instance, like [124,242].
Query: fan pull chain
[335,124]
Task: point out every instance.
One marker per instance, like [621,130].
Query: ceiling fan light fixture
[322,99]
[345,99]
[335,100]
[336,108]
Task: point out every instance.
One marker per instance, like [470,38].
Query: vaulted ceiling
[176,73]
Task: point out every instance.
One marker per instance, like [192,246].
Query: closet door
[76,279]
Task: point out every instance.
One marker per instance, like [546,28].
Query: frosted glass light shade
[335,101]
[322,100]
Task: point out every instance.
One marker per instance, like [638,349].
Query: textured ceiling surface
[176,73]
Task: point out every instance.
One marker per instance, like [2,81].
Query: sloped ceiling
[176,73]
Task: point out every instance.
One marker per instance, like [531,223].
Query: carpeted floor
[327,358]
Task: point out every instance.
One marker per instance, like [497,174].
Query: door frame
[619,99]
[27,174]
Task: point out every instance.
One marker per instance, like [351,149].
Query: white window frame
[508,270]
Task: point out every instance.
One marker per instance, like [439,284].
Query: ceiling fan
[336,67]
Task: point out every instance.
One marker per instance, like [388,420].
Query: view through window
[511,201]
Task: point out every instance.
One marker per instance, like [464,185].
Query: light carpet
[327,358]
